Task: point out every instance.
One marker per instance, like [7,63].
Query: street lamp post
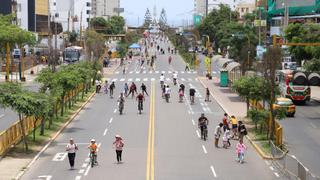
[209,69]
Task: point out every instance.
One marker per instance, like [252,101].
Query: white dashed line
[138,79]
[115,110]
[213,171]
[276,174]
[78,177]
[110,121]
[157,72]
[182,79]
[114,80]
[130,72]
[153,79]
[122,79]
[84,165]
[204,149]
[130,79]
[117,72]
[198,134]
[272,169]
[87,170]
[145,79]
[193,122]
[81,171]
[105,132]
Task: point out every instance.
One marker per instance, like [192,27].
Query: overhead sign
[262,23]
[197,19]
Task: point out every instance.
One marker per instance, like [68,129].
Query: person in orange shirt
[93,150]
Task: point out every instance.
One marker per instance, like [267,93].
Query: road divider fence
[289,165]
[13,134]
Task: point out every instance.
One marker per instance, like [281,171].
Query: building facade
[105,8]
[244,8]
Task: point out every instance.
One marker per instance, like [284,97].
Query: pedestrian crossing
[158,72]
[150,79]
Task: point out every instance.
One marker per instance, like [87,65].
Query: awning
[222,62]
[232,65]
[134,46]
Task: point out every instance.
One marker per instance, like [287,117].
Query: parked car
[287,104]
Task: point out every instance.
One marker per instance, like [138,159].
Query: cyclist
[167,93]
[169,60]
[161,80]
[111,88]
[181,94]
[182,87]
[121,103]
[140,99]
[93,150]
[203,125]
[132,89]
[144,89]
[175,77]
[192,92]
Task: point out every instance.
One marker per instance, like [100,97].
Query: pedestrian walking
[242,130]
[71,149]
[105,87]
[144,89]
[118,145]
[217,134]
[225,122]
[240,149]
[234,125]
[226,138]
[187,68]
[132,89]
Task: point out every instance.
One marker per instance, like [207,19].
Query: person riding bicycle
[175,77]
[140,99]
[182,87]
[121,102]
[111,88]
[203,125]
[192,92]
[162,80]
[93,147]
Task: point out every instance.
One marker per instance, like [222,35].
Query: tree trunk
[43,124]
[24,138]
[62,105]
[248,105]
[34,128]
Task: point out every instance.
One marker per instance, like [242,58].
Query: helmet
[93,140]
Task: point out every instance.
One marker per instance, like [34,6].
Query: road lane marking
[204,149]
[213,171]
[272,169]
[157,72]
[314,126]
[60,156]
[150,155]
[84,165]
[138,79]
[182,79]
[276,174]
[145,79]
[193,122]
[105,132]
[122,79]
[47,177]
[87,160]
[153,79]
[87,170]
[130,79]
[198,134]
[81,171]
[114,80]
[117,72]
[115,110]
[78,178]
[130,72]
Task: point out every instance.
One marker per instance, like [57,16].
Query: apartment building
[105,8]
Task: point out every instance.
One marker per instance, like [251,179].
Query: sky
[178,11]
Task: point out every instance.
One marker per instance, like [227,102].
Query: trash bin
[224,78]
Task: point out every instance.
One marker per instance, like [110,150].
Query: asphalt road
[301,135]
[162,143]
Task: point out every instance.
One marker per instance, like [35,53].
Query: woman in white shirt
[71,148]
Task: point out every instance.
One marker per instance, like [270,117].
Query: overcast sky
[178,11]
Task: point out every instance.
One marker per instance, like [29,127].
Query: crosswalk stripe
[157,72]
[163,72]
[117,72]
[150,72]
[169,72]
[153,79]
[144,72]
[145,79]
[189,79]
[194,72]
[130,72]
[168,79]
[137,79]
[122,79]
[182,72]
[114,80]
[182,79]
[130,79]
[214,72]
[189,72]
[137,72]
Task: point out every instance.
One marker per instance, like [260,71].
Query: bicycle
[93,159]
[140,107]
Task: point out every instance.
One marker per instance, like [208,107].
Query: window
[88,19]
[88,11]
[242,9]
[88,4]
[54,3]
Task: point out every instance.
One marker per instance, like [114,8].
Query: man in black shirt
[192,92]
[144,89]
[203,125]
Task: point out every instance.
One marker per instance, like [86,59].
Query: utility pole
[81,29]
[259,26]
[49,36]
[69,21]
[206,5]
[55,45]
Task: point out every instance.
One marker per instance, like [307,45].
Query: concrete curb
[55,136]
[256,147]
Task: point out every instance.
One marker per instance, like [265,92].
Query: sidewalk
[228,100]
[27,74]
[12,164]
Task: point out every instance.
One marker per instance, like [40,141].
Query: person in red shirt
[140,99]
